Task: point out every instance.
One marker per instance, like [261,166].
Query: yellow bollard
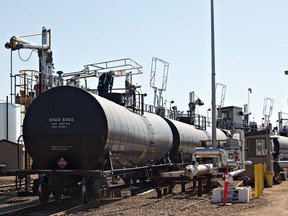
[258,179]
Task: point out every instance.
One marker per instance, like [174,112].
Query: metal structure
[158,99]
[78,140]
[29,84]
[222,98]
[28,77]
[213,86]
[121,67]
[193,102]
[267,111]
[283,123]
[104,138]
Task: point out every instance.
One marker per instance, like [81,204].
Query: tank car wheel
[43,189]
[89,189]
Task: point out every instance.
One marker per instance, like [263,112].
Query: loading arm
[17,43]
[46,65]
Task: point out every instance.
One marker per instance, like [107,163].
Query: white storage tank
[8,123]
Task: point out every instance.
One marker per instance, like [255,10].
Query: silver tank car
[187,137]
[70,128]
[280,144]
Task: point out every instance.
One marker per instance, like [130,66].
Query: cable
[27,58]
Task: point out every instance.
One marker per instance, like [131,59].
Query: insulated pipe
[283,164]
[196,170]
[248,163]
[20,43]
[281,156]
[32,46]
[231,163]
[242,141]
[235,173]
[201,152]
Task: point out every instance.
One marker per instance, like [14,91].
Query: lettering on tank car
[60,148]
[60,122]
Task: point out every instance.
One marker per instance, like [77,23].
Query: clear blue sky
[251,43]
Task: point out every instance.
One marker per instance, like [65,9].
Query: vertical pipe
[214,144]
[242,141]
[11,76]
[268,141]
[279,121]
[18,152]
[142,105]
[7,116]
[248,106]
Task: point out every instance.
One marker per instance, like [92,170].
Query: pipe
[213,86]
[7,116]
[242,141]
[224,162]
[172,174]
[211,152]
[283,164]
[248,163]
[235,173]
[231,163]
[282,156]
[196,170]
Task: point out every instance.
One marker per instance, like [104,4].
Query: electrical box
[235,195]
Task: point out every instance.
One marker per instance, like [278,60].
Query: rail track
[67,205]
[7,187]
[52,207]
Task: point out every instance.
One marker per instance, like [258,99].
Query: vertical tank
[8,128]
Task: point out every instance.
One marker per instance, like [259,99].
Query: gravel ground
[273,202]
[8,196]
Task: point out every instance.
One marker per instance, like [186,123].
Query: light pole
[213,86]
